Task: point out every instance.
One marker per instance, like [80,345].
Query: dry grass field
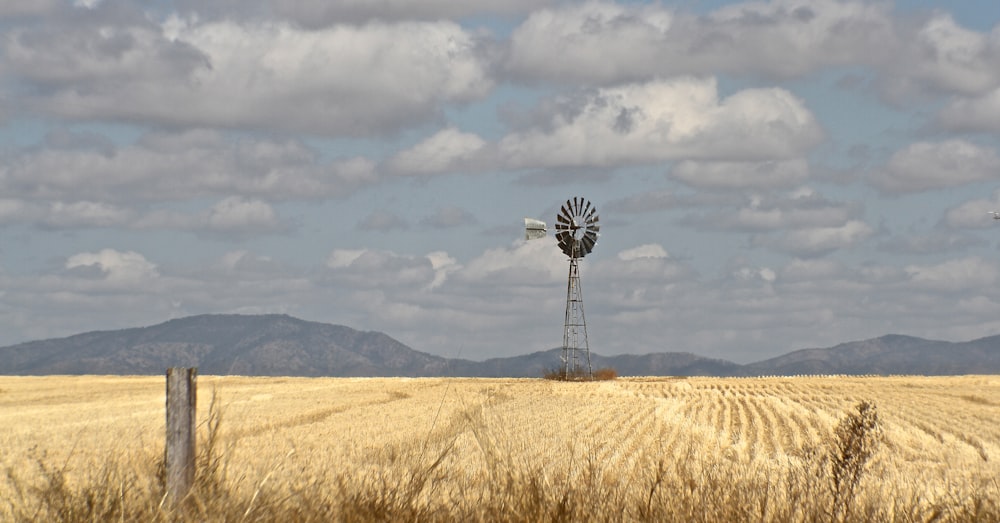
[655,449]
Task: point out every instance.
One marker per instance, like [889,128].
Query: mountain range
[280,345]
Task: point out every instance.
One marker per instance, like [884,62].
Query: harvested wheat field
[653,449]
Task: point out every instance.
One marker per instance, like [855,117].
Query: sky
[769,175]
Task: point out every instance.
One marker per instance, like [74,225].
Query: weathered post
[180,449]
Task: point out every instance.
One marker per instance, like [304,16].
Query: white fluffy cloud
[447,150]
[120,268]
[667,120]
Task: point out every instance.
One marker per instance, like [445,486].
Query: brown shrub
[605,374]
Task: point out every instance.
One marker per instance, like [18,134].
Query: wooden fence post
[180,449]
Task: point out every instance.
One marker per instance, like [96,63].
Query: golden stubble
[941,434]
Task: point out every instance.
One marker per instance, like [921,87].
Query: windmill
[577,229]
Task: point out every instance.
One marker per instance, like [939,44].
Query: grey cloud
[382,221]
[259,75]
[741,175]
[608,43]
[651,201]
[976,114]
[681,118]
[603,43]
[448,217]
[924,166]
[816,241]
[19,8]
[316,14]
[935,242]
[176,166]
[234,217]
[788,212]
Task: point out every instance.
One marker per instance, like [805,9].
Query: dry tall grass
[698,449]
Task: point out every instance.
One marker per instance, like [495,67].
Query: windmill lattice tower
[577,229]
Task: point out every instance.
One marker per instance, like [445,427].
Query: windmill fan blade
[594,228]
[586,209]
[567,248]
[589,240]
[561,218]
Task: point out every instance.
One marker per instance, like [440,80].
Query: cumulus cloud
[118,267]
[939,55]
[65,215]
[14,8]
[644,265]
[934,242]
[666,120]
[741,175]
[369,268]
[312,13]
[973,214]
[448,150]
[978,113]
[649,250]
[650,201]
[315,14]
[232,216]
[955,275]
[800,209]
[817,241]
[524,262]
[924,166]
[237,214]
[255,75]
[448,217]
[382,221]
[605,42]
[372,269]
[183,165]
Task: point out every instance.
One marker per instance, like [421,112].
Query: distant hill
[892,354]
[268,345]
[280,345]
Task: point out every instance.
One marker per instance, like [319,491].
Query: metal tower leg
[575,329]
